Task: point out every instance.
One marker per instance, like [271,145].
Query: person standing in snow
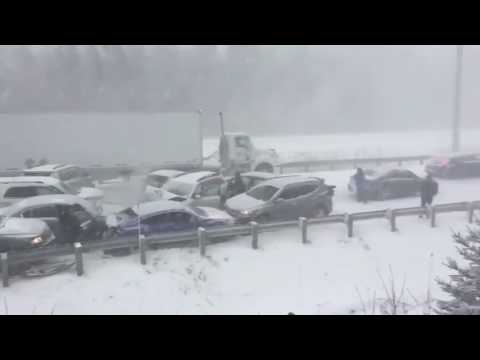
[428,190]
[361,184]
[238,185]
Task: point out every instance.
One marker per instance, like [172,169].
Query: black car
[458,166]
[389,184]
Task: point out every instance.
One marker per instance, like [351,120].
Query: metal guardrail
[333,164]
[202,237]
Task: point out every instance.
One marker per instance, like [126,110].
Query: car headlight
[36,241]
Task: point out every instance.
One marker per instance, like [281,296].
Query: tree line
[259,88]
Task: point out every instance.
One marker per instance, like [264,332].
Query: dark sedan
[458,166]
[390,184]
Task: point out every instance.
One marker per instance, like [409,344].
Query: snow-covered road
[323,277]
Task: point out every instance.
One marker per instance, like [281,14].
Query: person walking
[428,190]
[361,184]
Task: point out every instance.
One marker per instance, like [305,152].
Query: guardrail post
[4,259]
[349,223]
[78,258]
[433,215]
[254,229]
[470,210]
[202,240]
[302,222]
[391,216]
[142,249]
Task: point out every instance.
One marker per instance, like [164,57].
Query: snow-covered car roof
[373,174]
[194,177]
[167,173]
[48,167]
[158,206]
[30,179]
[60,199]
[287,180]
[19,226]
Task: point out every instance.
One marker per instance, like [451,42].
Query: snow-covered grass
[283,276]
[323,277]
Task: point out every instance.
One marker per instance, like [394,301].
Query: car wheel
[384,194]
[319,212]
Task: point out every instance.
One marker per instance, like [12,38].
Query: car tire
[320,212]
[383,194]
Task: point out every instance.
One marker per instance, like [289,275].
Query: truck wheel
[264,167]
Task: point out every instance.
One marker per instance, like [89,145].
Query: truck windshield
[263,193]
[179,188]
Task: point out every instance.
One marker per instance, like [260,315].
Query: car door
[207,193]
[50,215]
[285,206]
[175,221]
[473,166]
[311,198]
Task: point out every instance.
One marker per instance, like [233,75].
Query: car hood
[22,227]
[244,202]
[215,214]
[89,193]
[165,195]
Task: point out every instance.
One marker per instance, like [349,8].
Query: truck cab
[237,153]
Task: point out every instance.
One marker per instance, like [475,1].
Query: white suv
[13,189]
[69,174]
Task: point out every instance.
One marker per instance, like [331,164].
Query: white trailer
[134,139]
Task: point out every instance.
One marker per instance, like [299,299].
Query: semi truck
[108,144]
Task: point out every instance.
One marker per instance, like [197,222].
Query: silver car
[285,198]
[23,234]
[197,189]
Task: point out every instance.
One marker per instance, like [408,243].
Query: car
[155,181]
[200,188]
[59,212]
[163,216]
[284,198]
[383,184]
[69,174]
[252,179]
[454,166]
[23,234]
[20,187]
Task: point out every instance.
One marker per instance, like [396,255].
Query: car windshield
[68,189]
[156,180]
[198,211]
[179,188]
[263,193]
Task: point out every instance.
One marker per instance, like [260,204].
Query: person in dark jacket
[361,185]
[238,185]
[428,190]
